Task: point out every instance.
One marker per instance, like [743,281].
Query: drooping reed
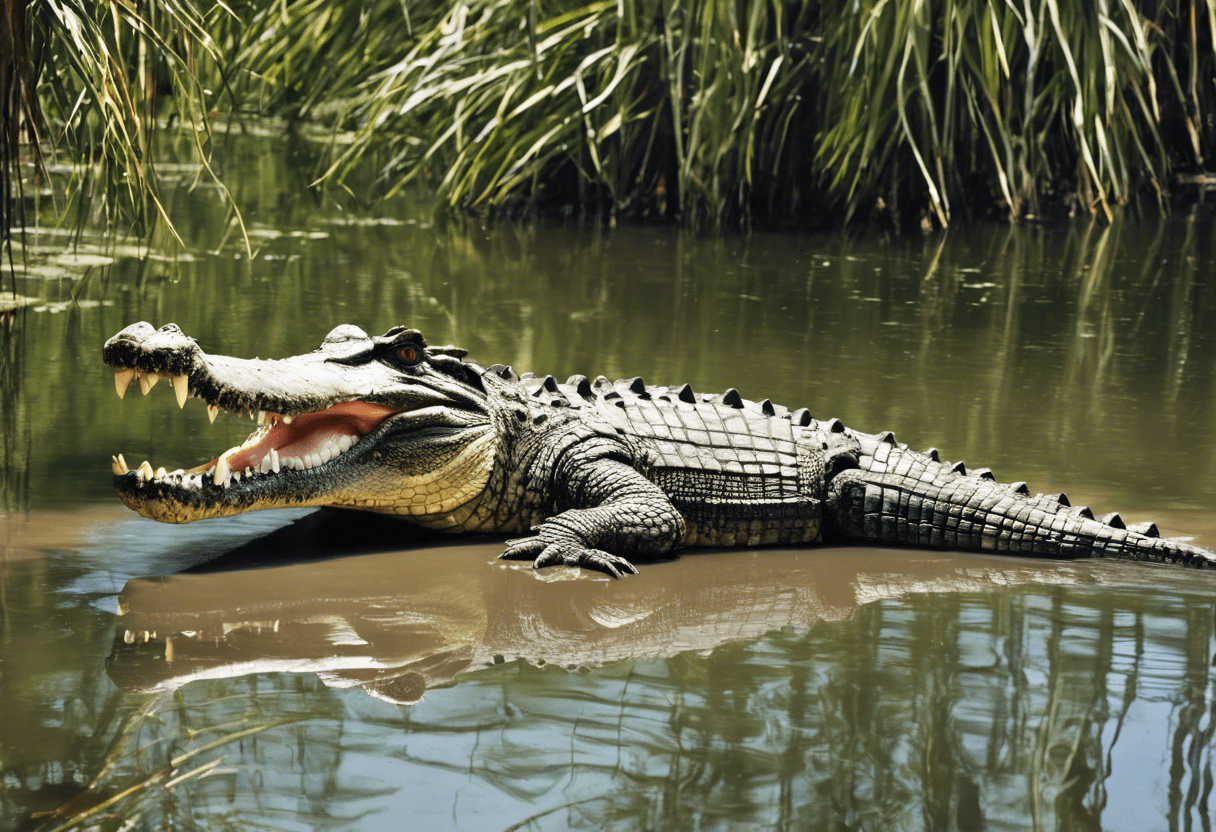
[717,113]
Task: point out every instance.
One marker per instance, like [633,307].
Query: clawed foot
[566,554]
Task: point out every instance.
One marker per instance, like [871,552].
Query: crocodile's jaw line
[420,481]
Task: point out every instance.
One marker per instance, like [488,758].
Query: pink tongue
[309,432]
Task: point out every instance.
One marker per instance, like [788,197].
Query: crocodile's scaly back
[738,472]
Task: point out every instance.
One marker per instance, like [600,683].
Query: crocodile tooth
[122,380]
[252,416]
[212,412]
[116,468]
[685,394]
[181,387]
[161,472]
[731,398]
[144,471]
[261,417]
[766,407]
[236,476]
[147,381]
[221,472]
[122,463]
[287,419]
[275,464]
[248,471]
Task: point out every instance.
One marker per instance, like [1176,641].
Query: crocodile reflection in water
[398,625]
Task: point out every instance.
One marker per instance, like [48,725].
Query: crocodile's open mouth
[300,443]
[283,450]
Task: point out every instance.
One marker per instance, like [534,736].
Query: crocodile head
[385,424]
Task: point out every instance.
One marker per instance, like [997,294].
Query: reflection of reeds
[136,773]
[16,430]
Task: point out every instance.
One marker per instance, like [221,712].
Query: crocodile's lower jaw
[156,502]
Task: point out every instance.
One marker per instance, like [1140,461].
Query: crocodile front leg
[615,512]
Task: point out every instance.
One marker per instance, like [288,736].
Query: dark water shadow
[321,535]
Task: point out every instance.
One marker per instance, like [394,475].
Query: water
[293,670]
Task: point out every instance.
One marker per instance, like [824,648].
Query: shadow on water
[321,535]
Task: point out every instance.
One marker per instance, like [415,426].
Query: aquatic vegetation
[713,113]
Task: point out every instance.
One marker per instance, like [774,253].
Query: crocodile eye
[409,355]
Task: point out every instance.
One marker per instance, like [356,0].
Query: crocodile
[590,473]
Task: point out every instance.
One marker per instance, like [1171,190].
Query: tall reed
[715,113]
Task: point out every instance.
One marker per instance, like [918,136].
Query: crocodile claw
[545,554]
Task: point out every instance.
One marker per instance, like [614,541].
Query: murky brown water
[332,671]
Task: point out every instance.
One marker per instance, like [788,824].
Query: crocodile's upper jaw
[321,419]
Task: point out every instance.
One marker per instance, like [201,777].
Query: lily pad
[49,271]
[82,260]
[366,221]
[9,301]
[64,305]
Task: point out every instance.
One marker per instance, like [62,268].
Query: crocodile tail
[952,511]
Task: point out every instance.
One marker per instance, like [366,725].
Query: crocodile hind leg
[615,512]
[917,501]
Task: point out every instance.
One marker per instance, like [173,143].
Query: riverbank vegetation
[713,113]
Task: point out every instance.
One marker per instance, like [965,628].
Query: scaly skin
[603,472]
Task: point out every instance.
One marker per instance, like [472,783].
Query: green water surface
[975,694]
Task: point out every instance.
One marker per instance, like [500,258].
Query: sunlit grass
[711,112]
